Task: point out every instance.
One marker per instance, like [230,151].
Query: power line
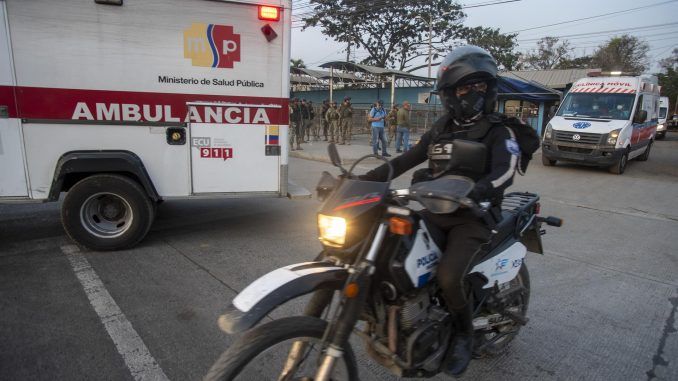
[301,16]
[606,31]
[593,17]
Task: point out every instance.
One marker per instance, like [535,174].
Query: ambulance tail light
[268,13]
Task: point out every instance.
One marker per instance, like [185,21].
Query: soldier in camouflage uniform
[332,117]
[346,121]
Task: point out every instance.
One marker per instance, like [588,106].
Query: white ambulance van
[662,124]
[604,121]
[123,104]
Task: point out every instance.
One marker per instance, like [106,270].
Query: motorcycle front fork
[353,299]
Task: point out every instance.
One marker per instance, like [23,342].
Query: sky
[315,48]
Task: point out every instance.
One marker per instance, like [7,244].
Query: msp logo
[581,125]
[211,45]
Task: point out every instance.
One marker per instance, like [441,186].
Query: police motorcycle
[375,278]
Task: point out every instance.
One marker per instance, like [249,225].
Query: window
[598,105]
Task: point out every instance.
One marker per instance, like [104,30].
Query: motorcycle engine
[424,329]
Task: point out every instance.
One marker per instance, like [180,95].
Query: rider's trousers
[466,238]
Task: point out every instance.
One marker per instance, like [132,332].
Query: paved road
[603,307]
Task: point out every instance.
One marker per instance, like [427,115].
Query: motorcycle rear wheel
[257,346]
[485,347]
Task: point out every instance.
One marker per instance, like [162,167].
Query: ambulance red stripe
[131,106]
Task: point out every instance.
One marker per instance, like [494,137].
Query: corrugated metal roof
[555,79]
[320,74]
[374,70]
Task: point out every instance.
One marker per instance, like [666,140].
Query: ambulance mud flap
[277,287]
[94,162]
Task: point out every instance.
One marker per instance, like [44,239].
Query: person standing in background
[377,117]
[297,122]
[346,121]
[323,120]
[313,126]
[403,129]
[391,119]
[332,118]
[306,116]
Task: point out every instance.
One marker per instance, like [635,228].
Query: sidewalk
[359,147]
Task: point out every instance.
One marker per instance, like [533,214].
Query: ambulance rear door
[12,169]
[235,149]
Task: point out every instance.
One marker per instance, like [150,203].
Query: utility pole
[348,52]
[430,45]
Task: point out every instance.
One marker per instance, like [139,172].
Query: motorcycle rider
[467,86]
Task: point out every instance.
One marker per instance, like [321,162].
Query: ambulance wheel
[546,161]
[107,212]
[646,154]
[620,166]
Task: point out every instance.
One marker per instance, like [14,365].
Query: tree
[583,62]
[298,63]
[393,35]
[670,62]
[625,53]
[550,53]
[501,46]
[668,78]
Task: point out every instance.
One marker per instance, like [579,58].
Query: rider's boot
[461,349]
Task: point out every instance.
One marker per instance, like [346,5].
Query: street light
[429,22]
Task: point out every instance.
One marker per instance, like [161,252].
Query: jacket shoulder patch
[512,147]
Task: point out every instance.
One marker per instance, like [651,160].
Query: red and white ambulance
[604,121]
[122,104]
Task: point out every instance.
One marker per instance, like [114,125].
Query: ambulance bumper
[583,154]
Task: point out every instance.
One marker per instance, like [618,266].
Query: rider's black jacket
[502,150]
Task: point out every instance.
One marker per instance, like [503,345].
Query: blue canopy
[511,88]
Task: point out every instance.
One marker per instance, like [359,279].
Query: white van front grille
[579,137]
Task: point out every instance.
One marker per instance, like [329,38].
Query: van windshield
[598,106]
[662,112]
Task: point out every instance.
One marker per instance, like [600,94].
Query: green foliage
[298,63]
[392,34]
[668,79]
[501,46]
[551,52]
[583,62]
[625,53]
[397,33]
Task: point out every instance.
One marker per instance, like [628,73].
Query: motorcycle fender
[502,267]
[277,287]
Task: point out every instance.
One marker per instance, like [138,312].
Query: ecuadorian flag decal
[272,135]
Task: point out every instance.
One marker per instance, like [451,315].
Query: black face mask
[471,104]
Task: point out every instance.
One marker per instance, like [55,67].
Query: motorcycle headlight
[549,132]
[332,230]
[612,137]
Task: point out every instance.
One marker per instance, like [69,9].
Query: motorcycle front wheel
[286,349]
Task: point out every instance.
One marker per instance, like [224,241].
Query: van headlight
[660,126]
[332,230]
[548,134]
[613,136]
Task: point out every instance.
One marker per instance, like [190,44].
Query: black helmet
[347,99]
[467,65]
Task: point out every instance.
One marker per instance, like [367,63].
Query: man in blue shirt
[377,116]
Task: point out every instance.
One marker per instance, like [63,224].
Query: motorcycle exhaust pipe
[393,328]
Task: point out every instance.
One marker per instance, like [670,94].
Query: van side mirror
[641,117]
[552,111]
